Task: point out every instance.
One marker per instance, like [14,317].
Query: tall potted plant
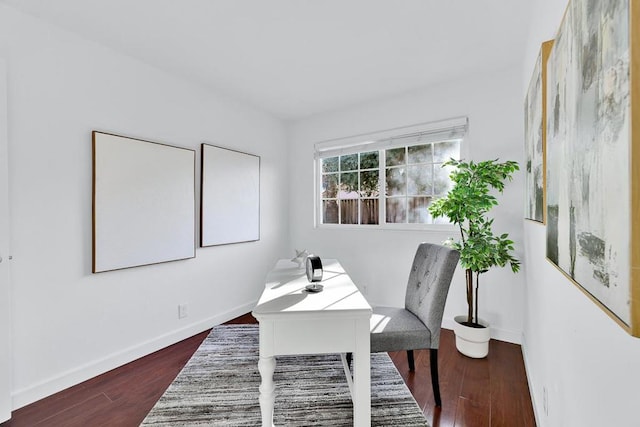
[467,205]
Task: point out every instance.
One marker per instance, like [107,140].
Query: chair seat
[396,329]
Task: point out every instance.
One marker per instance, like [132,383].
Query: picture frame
[143,202]
[230,196]
[593,155]
[535,115]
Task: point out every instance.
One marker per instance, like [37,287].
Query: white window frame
[443,130]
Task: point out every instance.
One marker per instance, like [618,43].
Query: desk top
[285,292]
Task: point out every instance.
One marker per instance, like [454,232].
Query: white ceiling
[295,58]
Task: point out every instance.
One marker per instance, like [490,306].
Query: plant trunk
[475,303]
[469,276]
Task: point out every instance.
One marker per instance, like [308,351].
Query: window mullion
[318,191]
[382,191]
[406,185]
[338,202]
[358,192]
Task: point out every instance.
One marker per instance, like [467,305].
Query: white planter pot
[472,342]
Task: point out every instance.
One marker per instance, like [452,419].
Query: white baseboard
[536,412]
[92,369]
[507,335]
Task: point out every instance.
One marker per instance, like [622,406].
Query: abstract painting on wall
[535,137]
[593,183]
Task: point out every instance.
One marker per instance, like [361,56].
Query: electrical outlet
[545,401]
[183,311]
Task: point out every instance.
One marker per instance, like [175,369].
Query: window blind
[423,133]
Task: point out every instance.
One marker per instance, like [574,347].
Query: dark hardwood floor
[475,393]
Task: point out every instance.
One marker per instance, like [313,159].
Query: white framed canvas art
[230,196]
[143,202]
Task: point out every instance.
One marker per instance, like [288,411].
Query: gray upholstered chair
[417,325]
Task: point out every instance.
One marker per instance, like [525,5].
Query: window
[351,188]
[390,180]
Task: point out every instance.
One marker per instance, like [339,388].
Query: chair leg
[434,376]
[412,366]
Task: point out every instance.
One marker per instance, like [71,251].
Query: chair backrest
[428,285]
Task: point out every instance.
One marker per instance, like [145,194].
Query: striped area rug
[219,387]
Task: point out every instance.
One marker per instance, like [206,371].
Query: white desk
[294,321]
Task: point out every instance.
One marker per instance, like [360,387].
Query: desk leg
[266,367]
[362,376]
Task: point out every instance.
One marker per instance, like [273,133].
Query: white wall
[587,364]
[68,324]
[379,260]
[5,290]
